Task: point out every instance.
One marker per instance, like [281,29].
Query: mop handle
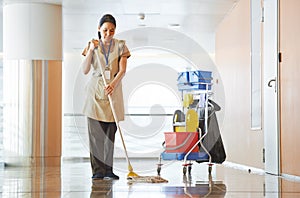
[117,123]
[113,109]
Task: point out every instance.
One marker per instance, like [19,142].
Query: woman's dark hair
[106,18]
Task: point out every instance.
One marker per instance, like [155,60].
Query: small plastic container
[181,142]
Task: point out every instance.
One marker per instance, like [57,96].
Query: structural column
[32,94]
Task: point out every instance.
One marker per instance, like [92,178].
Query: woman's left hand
[109,89]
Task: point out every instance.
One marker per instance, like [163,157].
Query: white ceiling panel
[187,16]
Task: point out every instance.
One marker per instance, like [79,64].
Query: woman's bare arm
[86,63]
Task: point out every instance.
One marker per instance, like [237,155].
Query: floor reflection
[73,179]
[102,188]
[201,189]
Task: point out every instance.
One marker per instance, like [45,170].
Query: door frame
[271,92]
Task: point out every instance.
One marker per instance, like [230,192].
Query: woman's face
[107,31]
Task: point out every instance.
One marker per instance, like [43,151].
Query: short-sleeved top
[97,104]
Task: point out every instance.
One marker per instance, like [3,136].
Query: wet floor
[73,179]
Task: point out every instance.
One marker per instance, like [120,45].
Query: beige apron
[97,104]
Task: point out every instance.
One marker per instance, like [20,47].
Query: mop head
[132,177]
[146,179]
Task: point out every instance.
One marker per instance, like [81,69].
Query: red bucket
[181,142]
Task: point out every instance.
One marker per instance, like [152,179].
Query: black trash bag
[213,140]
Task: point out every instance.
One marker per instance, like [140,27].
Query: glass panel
[21,99]
[10,105]
[1,114]
[150,99]
[256,18]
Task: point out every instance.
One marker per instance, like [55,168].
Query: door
[289,88]
[270,87]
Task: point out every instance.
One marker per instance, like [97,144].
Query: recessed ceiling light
[174,25]
[141,16]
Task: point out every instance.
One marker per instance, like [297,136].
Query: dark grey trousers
[101,142]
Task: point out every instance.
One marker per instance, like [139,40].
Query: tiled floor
[73,179]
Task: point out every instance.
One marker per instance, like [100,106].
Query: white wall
[73,57]
[233,47]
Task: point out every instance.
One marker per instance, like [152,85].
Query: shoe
[111,176]
[97,176]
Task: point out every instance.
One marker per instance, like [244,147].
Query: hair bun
[107,18]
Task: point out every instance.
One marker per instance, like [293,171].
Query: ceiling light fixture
[141,16]
[174,25]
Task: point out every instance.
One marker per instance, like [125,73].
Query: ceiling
[192,17]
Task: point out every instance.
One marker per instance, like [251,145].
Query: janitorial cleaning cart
[195,135]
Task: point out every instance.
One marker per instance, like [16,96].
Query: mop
[132,176]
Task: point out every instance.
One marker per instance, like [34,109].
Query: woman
[112,54]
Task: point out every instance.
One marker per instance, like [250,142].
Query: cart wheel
[158,170]
[189,169]
[184,170]
[209,168]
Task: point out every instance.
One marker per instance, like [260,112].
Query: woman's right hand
[91,46]
[95,43]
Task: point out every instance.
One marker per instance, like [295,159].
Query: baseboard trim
[248,169]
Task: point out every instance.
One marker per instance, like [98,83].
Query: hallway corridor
[73,179]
